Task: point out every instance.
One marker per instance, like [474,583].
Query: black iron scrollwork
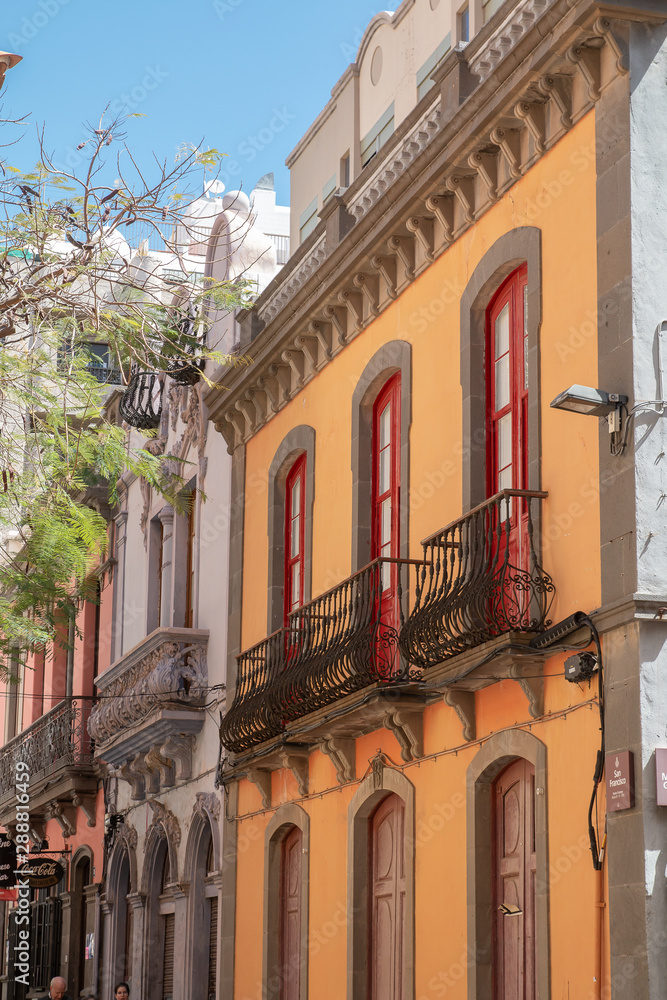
[141,404]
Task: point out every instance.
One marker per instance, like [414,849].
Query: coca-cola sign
[42,873]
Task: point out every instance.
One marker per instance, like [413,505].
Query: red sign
[11,894]
[661,776]
[620,771]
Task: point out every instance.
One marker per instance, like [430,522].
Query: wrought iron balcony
[480,579]
[57,740]
[59,753]
[339,643]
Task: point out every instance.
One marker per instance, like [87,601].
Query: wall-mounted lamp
[597,403]
[583,399]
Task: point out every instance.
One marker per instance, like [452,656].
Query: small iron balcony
[342,641]
[57,740]
[480,579]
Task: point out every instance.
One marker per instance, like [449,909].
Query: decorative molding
[174,673]
[164,816]
[207,805]
[507,35]
[341,752]
[280,298]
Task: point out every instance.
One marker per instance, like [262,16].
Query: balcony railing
[481,578]
[110,376]
[57,740]
[339,643]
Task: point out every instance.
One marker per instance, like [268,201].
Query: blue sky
[247,76]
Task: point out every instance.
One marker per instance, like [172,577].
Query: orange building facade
[47,703]
[409,769]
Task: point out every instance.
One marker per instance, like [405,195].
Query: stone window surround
[510,251]
[499,751]
[394,356]
[379,784]
[300,440]
[174,560]
[283,821]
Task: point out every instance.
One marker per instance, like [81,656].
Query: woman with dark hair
[121,991]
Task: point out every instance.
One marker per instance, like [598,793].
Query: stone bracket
[87,804]
[297,761]
[408,728]
[262,779]
[531,679]
[65,816]
[342,754]
[463,703]
[179,750]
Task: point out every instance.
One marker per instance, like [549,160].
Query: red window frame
[507,378]
[295,532]
[386,482]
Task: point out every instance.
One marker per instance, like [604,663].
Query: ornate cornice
[444,168]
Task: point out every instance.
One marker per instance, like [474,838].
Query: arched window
[514,882]
[507,385]
[295,535]
[385,504]
[507,406]
[387,899]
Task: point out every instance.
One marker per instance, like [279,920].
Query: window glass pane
[502,327]
[296,537]
[504,431]
[385,426]
[296,496]
[385,465]
[502,382]
[385,573]
[385,522]
[296,586]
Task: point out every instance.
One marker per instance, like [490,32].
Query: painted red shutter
[507,405]
[385,533]
[514,883]
[387,916]
[295,528]
[290,917]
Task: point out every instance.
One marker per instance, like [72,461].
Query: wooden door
[514,883]
[387,900]
[290,916]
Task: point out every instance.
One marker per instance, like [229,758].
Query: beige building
[390,76]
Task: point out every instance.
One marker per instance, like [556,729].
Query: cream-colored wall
[407,38]
[320,157]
